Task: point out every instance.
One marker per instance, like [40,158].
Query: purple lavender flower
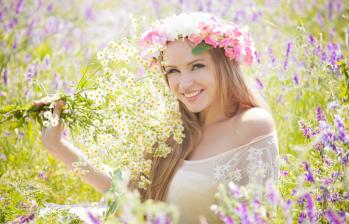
[12,23]
[333,105]
[27,58]
[345,159]
[302,217]
[271,55]
[161,218]
[327,137]
[43,175]
[25,218]
[89,14]
[67,89]
[296,79]
[341,130]
[14,45]
[19,6]
[307,131]
[311,39]
[227,219]
[47,62]
[30,28]
[323,56]
[242,212]
[287,205]
[256,16]
[284,173]
[330,9]
[50,7]
[320,116]
[335,54]
[335,197]
[334,218]
[259,83]
[257,56]
[308,175]
[310,207]
[294,191]
[258,219]
[320,19]
[30,72]
[288,49]
[4,76]
[93,218]
[273,194]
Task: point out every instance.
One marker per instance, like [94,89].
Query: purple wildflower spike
[333,218]
[320,116]
[341,130]
[4,76]
[288,50]
[93,218]
[296,79]
[310,207]
[308,175]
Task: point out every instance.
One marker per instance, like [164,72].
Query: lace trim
[256,168]
[255,140]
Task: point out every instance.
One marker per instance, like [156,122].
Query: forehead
[180,51]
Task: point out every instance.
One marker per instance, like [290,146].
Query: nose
[185,82]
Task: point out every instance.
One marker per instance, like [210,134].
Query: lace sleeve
[251,164]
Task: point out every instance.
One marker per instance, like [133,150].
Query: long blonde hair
[234,93]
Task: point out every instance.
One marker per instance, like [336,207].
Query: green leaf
[200,48]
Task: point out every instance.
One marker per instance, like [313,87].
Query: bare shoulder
[255,122]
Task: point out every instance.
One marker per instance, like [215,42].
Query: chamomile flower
[47,115]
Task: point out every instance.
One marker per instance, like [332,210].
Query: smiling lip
[193,96]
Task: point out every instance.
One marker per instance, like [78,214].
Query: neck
[210,117]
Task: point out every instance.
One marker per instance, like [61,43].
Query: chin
[195,109]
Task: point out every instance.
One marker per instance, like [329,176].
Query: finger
[58,107]
[38,103]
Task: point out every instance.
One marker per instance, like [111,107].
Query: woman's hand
[52,136]
[68,153]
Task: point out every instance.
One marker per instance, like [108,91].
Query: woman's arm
[66,152]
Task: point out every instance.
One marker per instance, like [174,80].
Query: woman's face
[191,77]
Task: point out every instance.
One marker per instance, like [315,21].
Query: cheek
[172,83]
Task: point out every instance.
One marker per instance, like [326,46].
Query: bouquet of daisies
[117,114]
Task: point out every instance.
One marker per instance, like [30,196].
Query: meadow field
[301,71]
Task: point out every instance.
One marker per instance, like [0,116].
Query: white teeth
[192,94]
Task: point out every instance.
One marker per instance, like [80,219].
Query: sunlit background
[301,71]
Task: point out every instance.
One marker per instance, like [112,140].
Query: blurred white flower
[46,124]
[47,114]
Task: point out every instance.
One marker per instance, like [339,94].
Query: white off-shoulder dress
[194,185]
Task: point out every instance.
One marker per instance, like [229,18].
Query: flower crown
[204,31]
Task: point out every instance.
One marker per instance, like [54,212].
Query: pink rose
[211,41]
[152,37]
[195,38]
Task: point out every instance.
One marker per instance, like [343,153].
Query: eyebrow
[196,60]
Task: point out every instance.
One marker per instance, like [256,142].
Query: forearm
[68,154]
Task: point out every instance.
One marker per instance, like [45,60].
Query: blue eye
[198,66]
[171,71]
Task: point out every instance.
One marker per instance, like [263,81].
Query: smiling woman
[191,78]
[229,136]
